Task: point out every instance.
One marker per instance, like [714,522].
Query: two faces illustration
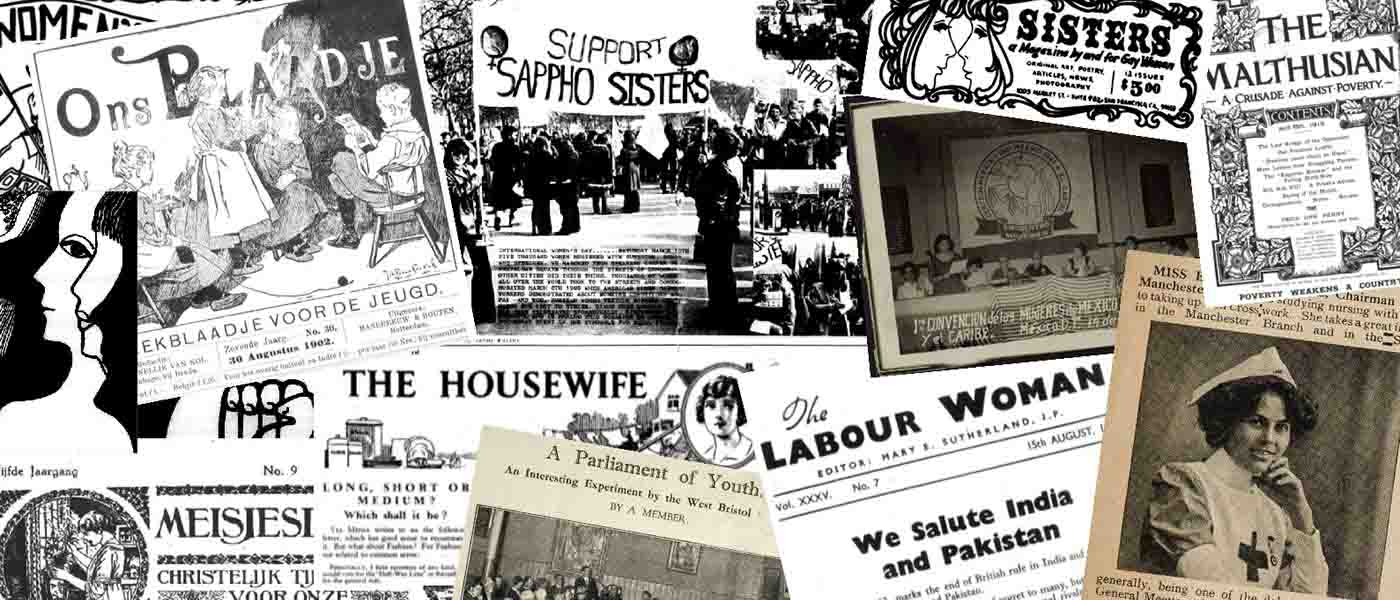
[934,47]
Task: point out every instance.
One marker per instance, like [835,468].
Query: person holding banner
[539,184]
[507,159]
[717,204]
[799,138]
[670,159]
[565,185]
[629,173]
[597,173]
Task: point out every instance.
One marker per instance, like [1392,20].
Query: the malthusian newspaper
[558,517]
[1249,451]
[949,487]
[1299,195]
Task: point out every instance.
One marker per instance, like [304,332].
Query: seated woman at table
[1037,268]
[1004,271]
[913,286]
[976,275]
[1080,264]
[940,266]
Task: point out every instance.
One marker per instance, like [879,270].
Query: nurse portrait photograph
[1262,462]
[1201,511]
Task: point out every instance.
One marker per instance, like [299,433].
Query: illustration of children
[168,268]
[387,172]
[280,156]
[231,208]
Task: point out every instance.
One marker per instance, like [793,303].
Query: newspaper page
[402,434]
[26,26]
[991,239]
[162,526]
[558,517]
[1129,66]
[36,344]
[969,486]
[625,153]
[1300,121]
[646,401]
[1250,450]
[270,239]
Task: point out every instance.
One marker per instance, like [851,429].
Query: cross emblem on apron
[1254,558]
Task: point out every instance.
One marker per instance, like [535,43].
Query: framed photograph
[1011,233]
[684,558]
[1247,451]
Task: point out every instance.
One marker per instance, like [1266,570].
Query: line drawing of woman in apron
[231,209]
[94,547]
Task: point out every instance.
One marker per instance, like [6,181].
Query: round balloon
[685,51]
[494,41]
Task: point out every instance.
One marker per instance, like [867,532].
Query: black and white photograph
[807,275]
[793,128]
[663,193]
[1262,462]
[812,29]
[520,555]
[991,239]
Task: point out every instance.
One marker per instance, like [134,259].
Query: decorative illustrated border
[228,490]
[1241,257]
[133,538]
[905,18]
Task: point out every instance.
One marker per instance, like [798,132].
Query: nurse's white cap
[1263,364]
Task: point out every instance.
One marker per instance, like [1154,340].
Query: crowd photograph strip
[520,555]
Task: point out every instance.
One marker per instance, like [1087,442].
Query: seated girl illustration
[175,274]
[280,156]
[932,48]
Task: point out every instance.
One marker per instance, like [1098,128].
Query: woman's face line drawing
[86,264]
[721,416]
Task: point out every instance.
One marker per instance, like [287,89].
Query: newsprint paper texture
[27,25]
[413,425]
[554,515]
[1303,193]
[164,527]
[977,485]
[1250,451]
[656,402]
[232,131]
[1129,66]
